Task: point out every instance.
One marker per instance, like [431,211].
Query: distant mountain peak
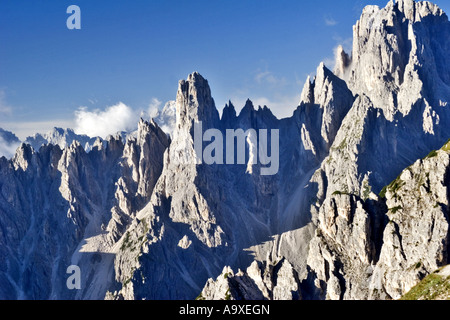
[143,218]
[61,137]
[195,103]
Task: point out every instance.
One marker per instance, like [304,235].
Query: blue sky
[135,52]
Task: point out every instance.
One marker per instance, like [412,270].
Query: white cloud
[330,21]
[154,107]
[8,149]
[94,123]
[347,44]
[330,62]
[102,123]
[267,77]
[264,75]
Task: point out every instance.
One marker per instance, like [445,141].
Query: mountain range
[359,208]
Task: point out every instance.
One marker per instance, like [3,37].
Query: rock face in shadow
[203,217]
[259,282]
[398,74]
[68,207]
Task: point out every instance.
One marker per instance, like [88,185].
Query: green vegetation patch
[340,193]
[367,189]
[383,191]
[228,295]
[393,187]
[446,147]
[200,297]
[343,144]
[394,210]
[432,154]
[127,243]
[433,287]
[396,185]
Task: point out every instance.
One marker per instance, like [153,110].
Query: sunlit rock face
[357,208]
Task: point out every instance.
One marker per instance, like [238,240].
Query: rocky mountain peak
[317,90]
[194,103]
[307,95]
[228,115]
[8,143]
[395,59]
[147,129]
[416,11]
[322,72]
[23,157]
[324,103]
[248,107]
[61,137]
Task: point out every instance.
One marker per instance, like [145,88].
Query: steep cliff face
[416,237]
[396,119]
[377,248]
[412,215]
[204,216]
[260,281]
[435,286]
[398,73]
[400,70]
[178,228]
[399,57]
[67,207]
[149,217]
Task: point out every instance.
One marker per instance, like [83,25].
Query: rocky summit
[359,208]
